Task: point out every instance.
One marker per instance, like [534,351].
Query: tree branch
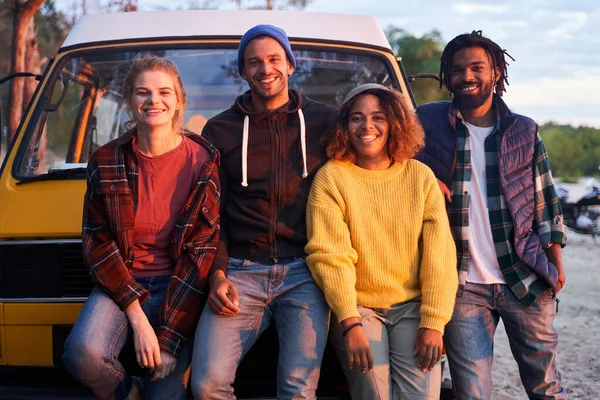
[30,7]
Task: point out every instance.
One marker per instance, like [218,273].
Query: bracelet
[348,329]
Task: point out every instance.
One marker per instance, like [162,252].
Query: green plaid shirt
[524,283]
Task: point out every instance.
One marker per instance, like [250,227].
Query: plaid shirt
[107,238]
[524,283]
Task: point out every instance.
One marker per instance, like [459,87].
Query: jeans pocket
[477,294]
[235,263]
[545,297]
[144,281]
[364,311]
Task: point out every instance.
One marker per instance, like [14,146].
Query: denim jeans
[283,293]
[392,333]
[92,349]
[469,340]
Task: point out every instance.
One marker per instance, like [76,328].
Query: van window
[84,106]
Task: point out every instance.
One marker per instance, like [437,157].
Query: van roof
[223,24]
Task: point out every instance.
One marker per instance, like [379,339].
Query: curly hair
[405,138]
[475,39]
[150,62]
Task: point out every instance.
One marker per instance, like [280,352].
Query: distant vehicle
[583,216]
[79,106]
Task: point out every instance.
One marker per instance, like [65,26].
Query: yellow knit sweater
[377,238]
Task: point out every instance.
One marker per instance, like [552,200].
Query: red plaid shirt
[108,217]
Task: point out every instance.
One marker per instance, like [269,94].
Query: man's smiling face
[473,78]
[267,69]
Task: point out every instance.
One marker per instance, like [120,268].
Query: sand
[577,324]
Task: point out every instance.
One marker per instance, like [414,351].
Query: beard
[274,91]
[473,101]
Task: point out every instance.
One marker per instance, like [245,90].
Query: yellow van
[79,106]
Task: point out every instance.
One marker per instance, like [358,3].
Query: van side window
[84,107]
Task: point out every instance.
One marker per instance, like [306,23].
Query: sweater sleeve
[331,257]
[438,276]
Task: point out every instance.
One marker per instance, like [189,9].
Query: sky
[556,44]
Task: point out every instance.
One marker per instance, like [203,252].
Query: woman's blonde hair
[150,62]
[405,138]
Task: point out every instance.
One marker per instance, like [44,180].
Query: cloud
[566,115]
[555,43]
[549,92]
[477,8]
[571,23]
[572,100]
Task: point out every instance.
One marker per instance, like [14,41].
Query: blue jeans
[283,293]
[469,340]
[92,349]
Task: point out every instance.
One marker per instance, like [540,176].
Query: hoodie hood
[243,105]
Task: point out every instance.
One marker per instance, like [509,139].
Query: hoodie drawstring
[245,147]
[245,152]
[303,142]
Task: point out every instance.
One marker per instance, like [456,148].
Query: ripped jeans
[92,349]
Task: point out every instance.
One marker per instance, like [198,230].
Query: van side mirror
[414,77]
[9,77]
[3,139]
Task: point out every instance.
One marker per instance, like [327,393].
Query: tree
[44,34]
[573,151]
[122,5]
[80,8]
[269,4]
[420,55]
[22,52]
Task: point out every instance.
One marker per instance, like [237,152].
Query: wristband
[348,329]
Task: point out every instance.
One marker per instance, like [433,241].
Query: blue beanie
[265,30]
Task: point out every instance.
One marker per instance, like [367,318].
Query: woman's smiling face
[368,130]
[154,100]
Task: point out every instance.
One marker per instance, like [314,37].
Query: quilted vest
[516,158]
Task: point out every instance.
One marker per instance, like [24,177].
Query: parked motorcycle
[582,216]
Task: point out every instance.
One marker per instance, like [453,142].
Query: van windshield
[83,106]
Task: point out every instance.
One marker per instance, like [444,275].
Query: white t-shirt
[483,265]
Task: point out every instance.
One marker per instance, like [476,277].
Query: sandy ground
[577,323]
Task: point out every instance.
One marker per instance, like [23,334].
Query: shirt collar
[497,125]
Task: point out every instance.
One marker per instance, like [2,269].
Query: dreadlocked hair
[475,39]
